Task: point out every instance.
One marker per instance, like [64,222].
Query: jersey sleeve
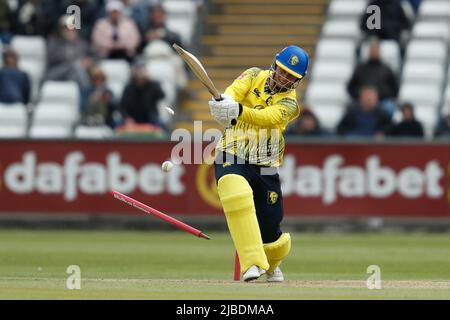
[242,84]
[279,114]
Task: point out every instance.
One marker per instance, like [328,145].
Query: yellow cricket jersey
[257,136]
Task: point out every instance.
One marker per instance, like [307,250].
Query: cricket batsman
[255,110]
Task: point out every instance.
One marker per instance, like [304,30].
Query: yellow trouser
[236,196]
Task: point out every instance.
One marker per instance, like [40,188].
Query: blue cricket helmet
[293,60]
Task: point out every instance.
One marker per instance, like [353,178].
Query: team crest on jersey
[272,197]
[256,92]
[293,60]
[269,101]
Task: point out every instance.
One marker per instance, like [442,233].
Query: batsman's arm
[279,114]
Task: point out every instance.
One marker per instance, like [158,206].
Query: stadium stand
[32,53]
[13,120]
[182,18]
[330,31]
[390,54]
[237,35]
[117,74]
[98,132]
[56,106]
[422,71]
[50,132]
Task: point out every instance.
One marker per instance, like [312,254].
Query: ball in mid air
[167,166]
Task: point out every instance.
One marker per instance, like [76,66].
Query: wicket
[150,210]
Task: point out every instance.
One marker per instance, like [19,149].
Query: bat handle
[233,121]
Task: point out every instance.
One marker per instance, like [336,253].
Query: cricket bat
[200,72]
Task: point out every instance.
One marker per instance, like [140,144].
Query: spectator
[409,126]
[375,73]
[99,109]
[15,84]
[140,98]
[116,37]
[38,17]
[393,20]
[157,29]
[366,118]
[138,11]
[308,125]
[5,22]
[415,4]
[443,127]
[89,13]
[69,56]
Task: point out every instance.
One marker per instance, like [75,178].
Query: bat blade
[196,66]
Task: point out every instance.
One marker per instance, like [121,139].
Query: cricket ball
[167,166]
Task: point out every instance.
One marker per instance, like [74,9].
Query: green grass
[175,265]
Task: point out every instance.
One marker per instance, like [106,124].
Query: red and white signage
[341,180]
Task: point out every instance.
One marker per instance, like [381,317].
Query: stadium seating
[346,8]
[30,47]
[157,49]
[341,29]
[165,66]
[56,105]
[164,71]
[389,51]
[325,70]
[432,30]
[55,114]
[58,109]
[446,105]
[52,132]
[435,50]
[10,132]
[329,115]
[343,50]
[97,132]
[13,114]
[181,18]
[32,52]
[426,71]
[326,93]
[434,10]
[420,93]
[65,92]
[13,120]
[423,73]
[117,75]
[335,58]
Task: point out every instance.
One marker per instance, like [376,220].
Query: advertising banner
[318,180]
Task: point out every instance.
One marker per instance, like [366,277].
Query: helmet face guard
[292,60]
[286,83]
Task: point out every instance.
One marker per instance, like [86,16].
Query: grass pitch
[175,265]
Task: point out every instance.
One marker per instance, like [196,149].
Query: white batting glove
[226,97]
[212,106]
[224,111]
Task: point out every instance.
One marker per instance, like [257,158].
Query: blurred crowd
[124,30]
[111,30]
[374,86]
